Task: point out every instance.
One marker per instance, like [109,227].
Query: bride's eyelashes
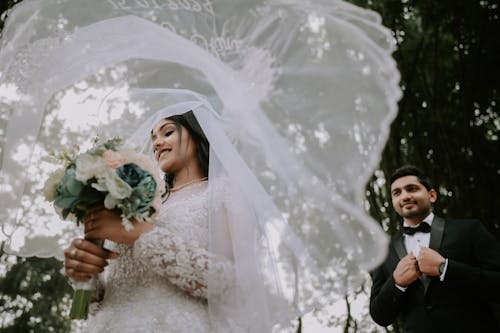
[166,134]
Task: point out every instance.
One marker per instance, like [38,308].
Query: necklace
[180,187]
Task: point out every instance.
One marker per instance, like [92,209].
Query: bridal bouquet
[107,175]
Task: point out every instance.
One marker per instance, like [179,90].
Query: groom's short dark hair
[411,170]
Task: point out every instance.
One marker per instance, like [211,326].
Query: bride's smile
[175,151]
[162,153]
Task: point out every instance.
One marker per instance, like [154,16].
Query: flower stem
[80,304]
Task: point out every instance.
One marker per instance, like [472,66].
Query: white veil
[295,97]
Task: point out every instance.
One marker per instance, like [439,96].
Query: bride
[160,272]
[261,225]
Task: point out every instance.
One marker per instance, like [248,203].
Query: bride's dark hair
[190,123]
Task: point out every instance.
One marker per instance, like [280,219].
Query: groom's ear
[433,195]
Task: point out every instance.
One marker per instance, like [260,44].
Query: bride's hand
[107,224]
[83,259]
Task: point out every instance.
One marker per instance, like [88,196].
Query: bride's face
[173,147]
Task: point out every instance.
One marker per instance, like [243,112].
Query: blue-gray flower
[68,191]
[130,173]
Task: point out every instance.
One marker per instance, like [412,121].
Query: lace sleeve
[183,262]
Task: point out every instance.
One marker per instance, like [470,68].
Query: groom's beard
[420,212]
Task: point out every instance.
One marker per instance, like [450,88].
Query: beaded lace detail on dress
[160,283]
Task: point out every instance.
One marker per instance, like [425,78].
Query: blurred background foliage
[448,124]
[34,295]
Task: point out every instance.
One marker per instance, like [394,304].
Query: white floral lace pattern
[162,279]
[178,249]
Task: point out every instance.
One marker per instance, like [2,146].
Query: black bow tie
[422,227]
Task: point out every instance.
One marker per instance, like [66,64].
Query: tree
[35,295]
[448,122]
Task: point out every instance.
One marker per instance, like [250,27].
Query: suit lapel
[437,230]
[399,246]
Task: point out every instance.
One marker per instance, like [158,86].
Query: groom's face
[411,199]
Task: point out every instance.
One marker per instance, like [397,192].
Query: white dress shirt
[413,243]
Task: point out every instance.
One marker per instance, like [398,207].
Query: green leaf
[74,186]
[65,202]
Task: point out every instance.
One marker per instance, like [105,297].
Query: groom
[440,273]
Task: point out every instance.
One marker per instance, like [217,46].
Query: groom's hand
[406,271]
[429,260]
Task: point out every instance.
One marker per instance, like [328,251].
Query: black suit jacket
[460,303]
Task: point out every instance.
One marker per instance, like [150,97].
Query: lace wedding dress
[159,284]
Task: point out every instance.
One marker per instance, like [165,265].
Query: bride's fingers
[80,267]
[93,220]
[87,252]
[96,209]
[90,225]
[86,257]
[90,247]
[93,213]
[97,233]
[71,273]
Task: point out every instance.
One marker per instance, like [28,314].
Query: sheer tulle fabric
[295,98]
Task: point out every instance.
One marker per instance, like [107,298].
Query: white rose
[89,166]
[110,202]
[50,187]
[109,181]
